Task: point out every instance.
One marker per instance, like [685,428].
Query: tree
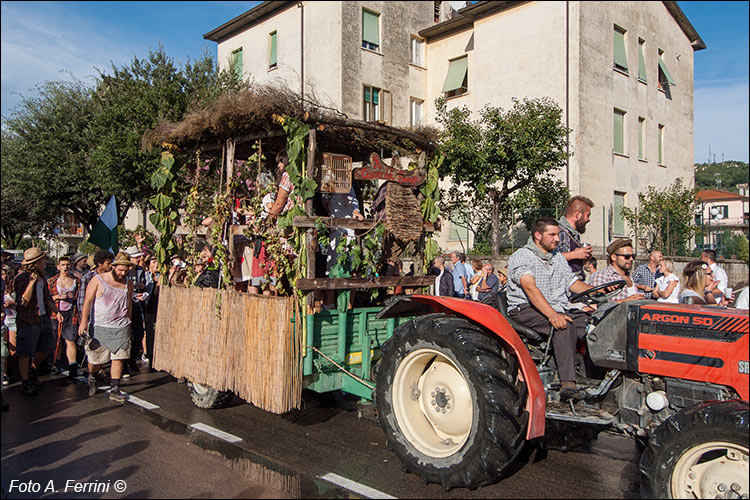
[725,175]
[503,153]
[664,219]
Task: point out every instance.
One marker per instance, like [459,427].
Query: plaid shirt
[52,285]
[610,274]
[553,279]
[644,276]
[29,313]
[82,292]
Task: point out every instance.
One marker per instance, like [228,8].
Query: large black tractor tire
[699,452]
[207,397]
[450,402]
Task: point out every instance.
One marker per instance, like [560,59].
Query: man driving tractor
[539,278]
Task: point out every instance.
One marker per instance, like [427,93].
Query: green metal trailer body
[351,339]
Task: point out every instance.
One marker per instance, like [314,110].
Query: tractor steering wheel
[594,294]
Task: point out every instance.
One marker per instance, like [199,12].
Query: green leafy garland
[166,204]
[430,211]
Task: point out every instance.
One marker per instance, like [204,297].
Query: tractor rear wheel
[450,401]
[700,452]
[207,397]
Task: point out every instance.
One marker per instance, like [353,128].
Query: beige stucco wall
[521,52]
[604,89]
[323,58]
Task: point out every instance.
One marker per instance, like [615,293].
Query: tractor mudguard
[491,319]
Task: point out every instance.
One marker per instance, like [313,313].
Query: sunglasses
[626,255]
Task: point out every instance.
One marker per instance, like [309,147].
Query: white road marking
[142,403]
[354,486]
[231,438]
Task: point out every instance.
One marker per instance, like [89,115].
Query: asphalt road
[328,449]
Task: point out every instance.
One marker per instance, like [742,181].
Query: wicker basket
[335,174]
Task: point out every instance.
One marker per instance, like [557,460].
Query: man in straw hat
[34,306]
[80,265]
[621,256]
[111,295]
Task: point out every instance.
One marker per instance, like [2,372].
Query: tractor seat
[502,306]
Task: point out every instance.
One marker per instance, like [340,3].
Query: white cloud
[721,120]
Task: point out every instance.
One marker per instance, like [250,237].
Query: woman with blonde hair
[667,287]
[476,265]
[699,284]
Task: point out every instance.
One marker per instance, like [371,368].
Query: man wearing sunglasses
[620,256]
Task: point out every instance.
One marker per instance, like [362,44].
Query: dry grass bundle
[251,350]
[251,110]
[401,210]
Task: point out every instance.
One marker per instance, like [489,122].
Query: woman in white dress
[668,285]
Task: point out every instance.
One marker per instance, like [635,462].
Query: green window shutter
[640,138]
[619,143]
[456,74]
[621,60]
[367,94]
[665,71]
[660,139]
[641,63]
[370,30]
[237,63]
[375,94]
[458,232]
[272,58]
[618,223]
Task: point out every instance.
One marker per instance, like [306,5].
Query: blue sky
[52,40]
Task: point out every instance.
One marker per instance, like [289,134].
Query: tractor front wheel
[700,452]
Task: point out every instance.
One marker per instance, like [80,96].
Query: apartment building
[621,71]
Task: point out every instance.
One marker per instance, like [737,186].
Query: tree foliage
[725,175]
[503,153]
[664,219]
[73,146]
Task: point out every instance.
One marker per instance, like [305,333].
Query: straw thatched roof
[248,114]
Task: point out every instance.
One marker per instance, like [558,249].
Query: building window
[641,138]
[665,79]
[272,50]
[237,63]
[458,233]
[619,132]
[660,145]
[377,105]
[416,50]
[618,222]
[620,56]
[370,30]
[457,81]
[415,115]
[641,62]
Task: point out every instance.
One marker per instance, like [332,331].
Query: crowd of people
[49,321]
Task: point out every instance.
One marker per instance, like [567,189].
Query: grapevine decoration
[166,204]
[430,211]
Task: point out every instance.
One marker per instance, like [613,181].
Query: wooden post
[310,241]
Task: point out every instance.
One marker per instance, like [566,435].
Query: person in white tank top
[112,292]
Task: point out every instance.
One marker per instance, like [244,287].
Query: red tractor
[461,388]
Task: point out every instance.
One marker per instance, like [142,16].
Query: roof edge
[682,20]
[245,19]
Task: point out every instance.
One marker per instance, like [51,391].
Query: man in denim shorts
[110,294]
[34,305]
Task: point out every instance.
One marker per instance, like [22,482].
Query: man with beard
[111,293]
[620,256]
[539,278]
[572,226]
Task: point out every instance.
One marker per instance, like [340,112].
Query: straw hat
[33,254]
[122,259]
[133,251]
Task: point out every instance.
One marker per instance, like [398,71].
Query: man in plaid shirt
[621,257]
[539,279]
[646,274]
